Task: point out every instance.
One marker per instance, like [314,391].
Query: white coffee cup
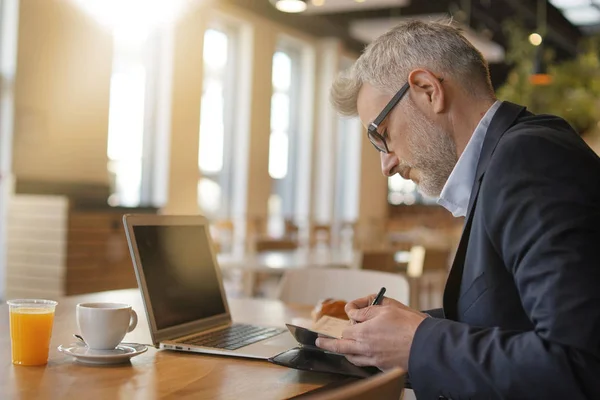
[104,325]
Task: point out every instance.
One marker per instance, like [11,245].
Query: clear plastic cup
[31,323]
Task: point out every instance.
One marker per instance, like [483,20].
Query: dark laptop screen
[180,275]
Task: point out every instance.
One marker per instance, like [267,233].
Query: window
[139,101]
[126,122]
[280,115]
[216,130]
[404,191]
[283,142]
[348,144]
[139,109]
[348,169]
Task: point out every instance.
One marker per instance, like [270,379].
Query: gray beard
[433,151]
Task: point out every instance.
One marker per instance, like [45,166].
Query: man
[521,316]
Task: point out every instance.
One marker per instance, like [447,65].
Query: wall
[185,114]
[326,132]
[373,205]
[61,94]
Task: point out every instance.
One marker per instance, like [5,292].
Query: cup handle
[133,321]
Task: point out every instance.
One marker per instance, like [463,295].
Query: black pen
[376,301]
[379,297]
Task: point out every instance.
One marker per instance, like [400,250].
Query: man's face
[419,150]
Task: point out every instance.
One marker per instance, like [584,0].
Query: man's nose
[389,162]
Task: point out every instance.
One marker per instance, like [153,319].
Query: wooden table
[156,373]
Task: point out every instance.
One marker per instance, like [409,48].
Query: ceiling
[358,22]
[583,13]
[369,29]
[333,6]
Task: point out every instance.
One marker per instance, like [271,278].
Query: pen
[376,301]
[379,297]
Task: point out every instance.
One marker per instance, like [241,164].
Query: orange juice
[30,332]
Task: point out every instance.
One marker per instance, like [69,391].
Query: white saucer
[120,355]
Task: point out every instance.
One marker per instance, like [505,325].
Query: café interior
[221,108]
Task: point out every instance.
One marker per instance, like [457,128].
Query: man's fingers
[366,302]
[341,346]
[360,303]
[364,314]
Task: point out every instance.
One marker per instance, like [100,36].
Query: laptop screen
[180,274]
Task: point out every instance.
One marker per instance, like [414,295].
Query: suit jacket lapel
[502,121]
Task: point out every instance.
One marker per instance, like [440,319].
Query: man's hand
[382,336]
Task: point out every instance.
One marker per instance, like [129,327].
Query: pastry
[331,307]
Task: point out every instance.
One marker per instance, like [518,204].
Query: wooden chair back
[385,386]
[310,285]
[265,244]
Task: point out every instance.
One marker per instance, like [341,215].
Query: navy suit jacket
[522,301]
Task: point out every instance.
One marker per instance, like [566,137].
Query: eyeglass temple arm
[391,104]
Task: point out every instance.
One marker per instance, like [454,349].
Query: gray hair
[386,63]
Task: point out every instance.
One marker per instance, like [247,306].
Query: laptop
[182,291]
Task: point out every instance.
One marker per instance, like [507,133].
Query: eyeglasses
[377,139]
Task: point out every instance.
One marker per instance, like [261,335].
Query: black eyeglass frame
[373,134]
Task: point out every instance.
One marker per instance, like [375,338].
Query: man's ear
[428,89]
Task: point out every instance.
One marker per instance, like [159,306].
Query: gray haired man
[521,315]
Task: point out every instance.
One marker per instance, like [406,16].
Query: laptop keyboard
[233,337]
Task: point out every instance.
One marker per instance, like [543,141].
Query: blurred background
[221,108]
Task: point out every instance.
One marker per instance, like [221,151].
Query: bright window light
[280,115]
[209,196]
[134,18]
[397,183]
[215,49]
[280,112]
[126,113]
[212,120]
[570,3]
[212,129]
[216,136]
[278,154]
[126,125]
[282,71]
[583,16]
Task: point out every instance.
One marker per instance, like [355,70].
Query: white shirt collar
[457,190]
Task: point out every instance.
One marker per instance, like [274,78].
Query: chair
[255,229]
[309,286]
[222,232]
[291,230]
[427,270]
[385,386]
[423,259]
[320,233]
[382,260]
[347,234]
[266,244]
[254,279]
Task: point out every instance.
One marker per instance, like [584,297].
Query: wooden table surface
[156,373]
